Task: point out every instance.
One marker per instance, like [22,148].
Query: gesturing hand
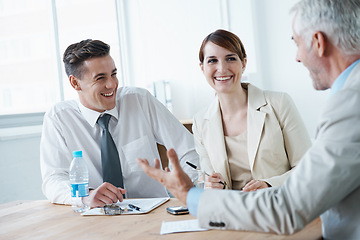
[176,181]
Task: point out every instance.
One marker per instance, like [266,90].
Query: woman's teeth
[222,78]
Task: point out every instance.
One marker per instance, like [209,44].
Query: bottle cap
[77,154]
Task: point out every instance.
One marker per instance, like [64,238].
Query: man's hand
[106,193]
[176,181]
[254,185]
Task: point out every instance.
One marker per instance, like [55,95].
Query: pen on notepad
[134,207]
[195,167]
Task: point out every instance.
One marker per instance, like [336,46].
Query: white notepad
[181,226]
[146,205]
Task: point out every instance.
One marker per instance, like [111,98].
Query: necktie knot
[103,121]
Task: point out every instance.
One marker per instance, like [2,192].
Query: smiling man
[136,122]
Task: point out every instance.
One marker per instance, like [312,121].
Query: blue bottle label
[80,190]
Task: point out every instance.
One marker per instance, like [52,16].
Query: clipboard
[145,204]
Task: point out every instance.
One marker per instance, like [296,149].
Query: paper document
[145,205]
[181,226]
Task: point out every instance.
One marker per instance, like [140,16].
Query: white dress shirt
[138,122]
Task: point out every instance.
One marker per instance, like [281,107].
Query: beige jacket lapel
[216,142]
[255,120]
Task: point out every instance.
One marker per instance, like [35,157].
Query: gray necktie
[110,160]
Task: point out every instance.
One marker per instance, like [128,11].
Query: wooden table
[43,220]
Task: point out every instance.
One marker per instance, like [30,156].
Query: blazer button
[217,224]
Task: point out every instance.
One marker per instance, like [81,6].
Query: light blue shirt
[192,200]
[194,194]
[341,79]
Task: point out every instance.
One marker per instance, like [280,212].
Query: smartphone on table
[177,210]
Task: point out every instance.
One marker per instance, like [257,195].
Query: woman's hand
[215,180]
[254,185]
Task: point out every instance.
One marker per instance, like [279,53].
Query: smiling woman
[247,138]
[164,39]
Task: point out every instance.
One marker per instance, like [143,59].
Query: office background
[153,42]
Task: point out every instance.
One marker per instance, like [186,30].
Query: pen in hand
[195,167]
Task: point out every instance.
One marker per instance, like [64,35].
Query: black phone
[178,210]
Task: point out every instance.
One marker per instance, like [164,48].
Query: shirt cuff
[192,200]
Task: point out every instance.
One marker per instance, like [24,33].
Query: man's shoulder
[63,106]
[132,96]
[353,81]
[350,93]
[131,91]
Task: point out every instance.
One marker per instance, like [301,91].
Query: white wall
[275,69]
[20,177]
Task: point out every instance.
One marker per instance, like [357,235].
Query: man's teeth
[108,94]
[222,78]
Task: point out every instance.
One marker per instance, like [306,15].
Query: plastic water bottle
[79,180]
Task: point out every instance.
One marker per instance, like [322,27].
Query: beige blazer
[277,137]
[326,181]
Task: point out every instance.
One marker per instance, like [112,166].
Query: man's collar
[341,79]
[92,116]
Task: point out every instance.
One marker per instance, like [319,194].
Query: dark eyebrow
[210,57]
[231,54]
[103,74]
[99,75]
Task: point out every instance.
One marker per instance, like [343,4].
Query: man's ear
[319,43]
[74,82]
